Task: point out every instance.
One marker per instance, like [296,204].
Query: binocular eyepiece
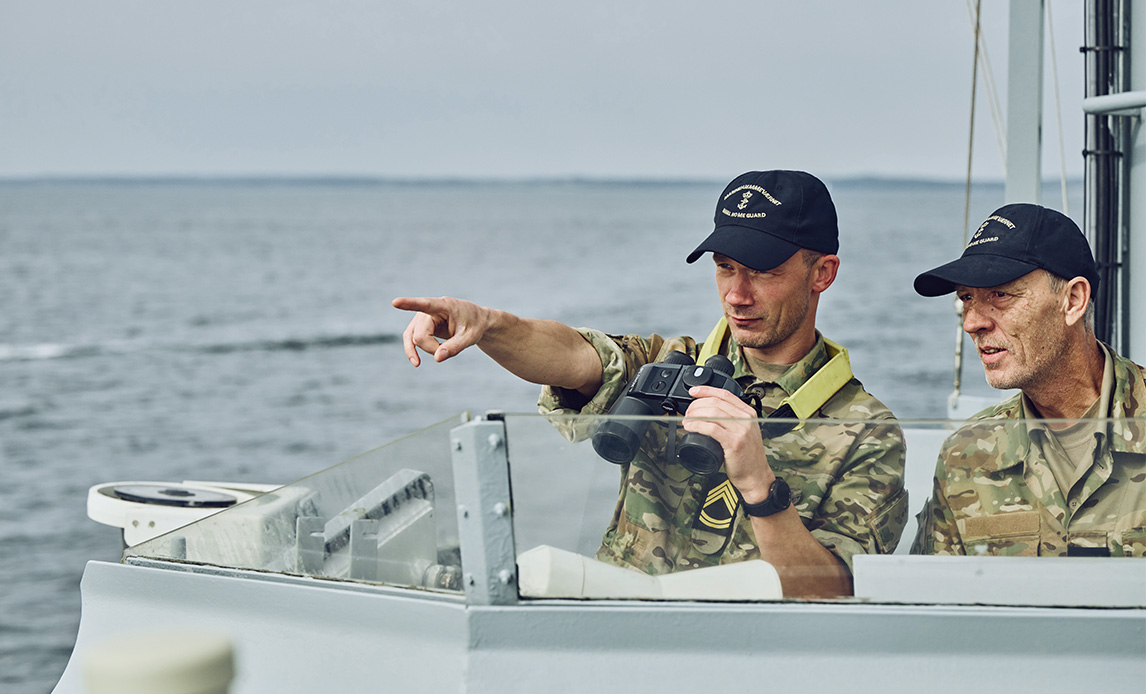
[662,388]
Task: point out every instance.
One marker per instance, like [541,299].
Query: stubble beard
[1038,367]
[775,331]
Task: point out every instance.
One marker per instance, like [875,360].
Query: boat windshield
[638,508]
[386,516]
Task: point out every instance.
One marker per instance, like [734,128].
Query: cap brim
[752,248]
[979,270]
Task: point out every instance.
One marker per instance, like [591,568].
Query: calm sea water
[242,331]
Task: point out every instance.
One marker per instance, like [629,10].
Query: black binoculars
[662,388]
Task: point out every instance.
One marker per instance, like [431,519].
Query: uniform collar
[791,379]
[1127,406]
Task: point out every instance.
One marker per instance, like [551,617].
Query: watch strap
[779,498]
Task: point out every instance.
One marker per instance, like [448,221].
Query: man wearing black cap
[1076,487]
[807,500]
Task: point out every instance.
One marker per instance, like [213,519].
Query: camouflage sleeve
[556,400]
[938,533]
[864,511]
[621,356]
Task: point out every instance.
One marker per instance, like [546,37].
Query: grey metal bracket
[1121,104]
[485,517]
[310,545]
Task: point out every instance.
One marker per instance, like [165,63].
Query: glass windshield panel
[1010,519]
[592,494]
[386,516]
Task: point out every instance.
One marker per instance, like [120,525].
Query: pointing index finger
[415,303]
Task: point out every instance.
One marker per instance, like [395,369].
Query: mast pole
[1025,101]
[1135,280]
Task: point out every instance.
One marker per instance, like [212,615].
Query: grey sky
[507,88]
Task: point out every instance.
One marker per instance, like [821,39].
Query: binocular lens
[700,454]
[616,442]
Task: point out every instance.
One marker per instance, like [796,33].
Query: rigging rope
[992,90]
[967,199]
[971,127]
[1000,136]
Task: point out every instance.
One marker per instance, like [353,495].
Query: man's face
[1018,328]
[764,308]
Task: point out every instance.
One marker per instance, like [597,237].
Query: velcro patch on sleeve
[1001,525]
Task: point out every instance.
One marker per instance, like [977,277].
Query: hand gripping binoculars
[662,388]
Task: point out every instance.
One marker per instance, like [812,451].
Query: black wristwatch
[779,498]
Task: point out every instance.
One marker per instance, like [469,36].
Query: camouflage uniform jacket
[846,478]
[994,493]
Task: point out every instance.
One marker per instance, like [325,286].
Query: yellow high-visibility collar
[809,397]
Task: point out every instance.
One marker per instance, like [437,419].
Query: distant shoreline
[371,181]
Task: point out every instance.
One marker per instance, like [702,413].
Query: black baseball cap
[1015,240]
[764,217]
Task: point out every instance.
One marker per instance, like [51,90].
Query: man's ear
[824,272]
[1076,299]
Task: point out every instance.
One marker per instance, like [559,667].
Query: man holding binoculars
[806,500]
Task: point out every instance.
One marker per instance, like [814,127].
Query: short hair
[1057,283]
[810,257]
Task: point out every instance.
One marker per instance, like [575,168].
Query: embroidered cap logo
[976,240]
[746,192]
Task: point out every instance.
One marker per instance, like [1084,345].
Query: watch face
[781,494]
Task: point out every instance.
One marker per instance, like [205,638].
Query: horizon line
[355,179]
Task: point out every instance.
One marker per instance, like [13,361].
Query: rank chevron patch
[720,506]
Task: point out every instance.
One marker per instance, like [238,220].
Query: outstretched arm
[539,351]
